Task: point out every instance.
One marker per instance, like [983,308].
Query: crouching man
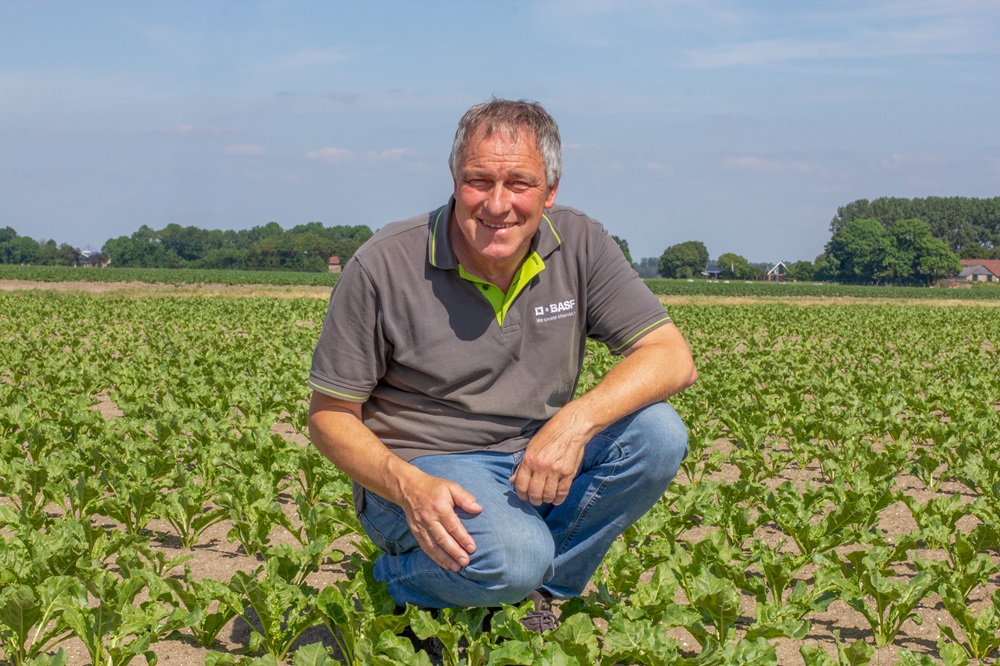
[443,382]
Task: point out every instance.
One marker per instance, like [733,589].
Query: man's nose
[498,201]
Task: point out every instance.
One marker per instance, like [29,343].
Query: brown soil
[141,289]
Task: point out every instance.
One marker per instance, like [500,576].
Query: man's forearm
[337,431]
[659,366]
[429,503]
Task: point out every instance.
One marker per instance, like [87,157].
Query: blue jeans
[520,547]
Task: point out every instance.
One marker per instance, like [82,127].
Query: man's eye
[520,186]
[478,183]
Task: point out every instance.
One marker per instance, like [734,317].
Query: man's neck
[499,274]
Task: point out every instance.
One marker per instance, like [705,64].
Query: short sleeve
[351,354]
[620,307]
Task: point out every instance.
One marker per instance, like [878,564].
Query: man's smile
[497,225]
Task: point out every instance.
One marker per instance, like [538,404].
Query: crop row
[131,428]
[729,288]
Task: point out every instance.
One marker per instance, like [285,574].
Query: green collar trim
[532,265]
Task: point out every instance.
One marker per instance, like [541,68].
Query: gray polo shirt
[445,362]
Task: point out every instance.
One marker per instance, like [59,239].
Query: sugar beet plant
[132,430]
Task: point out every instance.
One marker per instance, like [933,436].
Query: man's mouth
[498,225]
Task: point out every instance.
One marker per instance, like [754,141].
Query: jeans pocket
[385,523]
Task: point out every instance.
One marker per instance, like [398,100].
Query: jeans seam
[590,502]
[372,498]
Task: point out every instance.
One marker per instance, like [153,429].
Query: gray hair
[510,119]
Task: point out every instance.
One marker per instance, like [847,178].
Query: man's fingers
[436,525]
[443,549]
[563,492]
[551,490]
[521,480]
[540,489]
[465,500]
[455,533]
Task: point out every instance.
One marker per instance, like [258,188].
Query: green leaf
[512,653]
[577,635]
[314,654]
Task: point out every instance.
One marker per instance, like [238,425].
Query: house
[776,273]
[980,270]
[712,271]
[333,264]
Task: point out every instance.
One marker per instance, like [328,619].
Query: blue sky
[740,124]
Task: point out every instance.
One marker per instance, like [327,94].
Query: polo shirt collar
[442,254]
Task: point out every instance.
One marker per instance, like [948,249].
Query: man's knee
[659,440]
[516,562]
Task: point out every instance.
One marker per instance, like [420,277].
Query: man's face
[500,195]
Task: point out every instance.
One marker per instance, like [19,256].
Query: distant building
[776,273]
[980,270]
[712,271]
[334,264]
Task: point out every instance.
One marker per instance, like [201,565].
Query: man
[443,382]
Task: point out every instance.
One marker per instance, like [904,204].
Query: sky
[743,125]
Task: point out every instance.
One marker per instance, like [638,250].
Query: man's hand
[429,504]
[552,459]
[655,367]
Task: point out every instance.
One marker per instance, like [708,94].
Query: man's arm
[656,367]
[429,502]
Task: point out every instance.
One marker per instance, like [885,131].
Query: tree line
[15,249]
[884,241]
[970,227]
[306,247]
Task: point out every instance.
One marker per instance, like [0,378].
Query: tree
[648,267]
[20,250]
[935,260]
[961,222]
[861,249]
[734,267]
[800,271]
[902,252]
[901,261]
[59,255]
[623,244]
[826,267]
[684,260]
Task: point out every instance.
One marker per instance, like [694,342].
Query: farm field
[198,279]
[159,500]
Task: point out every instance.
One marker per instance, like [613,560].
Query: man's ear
[550,199]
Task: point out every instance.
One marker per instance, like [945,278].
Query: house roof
[973,270]
[774,268]
[992,265]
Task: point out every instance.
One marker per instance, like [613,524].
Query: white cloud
[334,155]
[760,164]
[244,150]
[897,161]
[198,130]
[658,167]
[330,155]
[865,31]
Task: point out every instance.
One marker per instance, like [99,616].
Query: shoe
[543,618]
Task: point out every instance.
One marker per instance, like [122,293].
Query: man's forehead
[515,136]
